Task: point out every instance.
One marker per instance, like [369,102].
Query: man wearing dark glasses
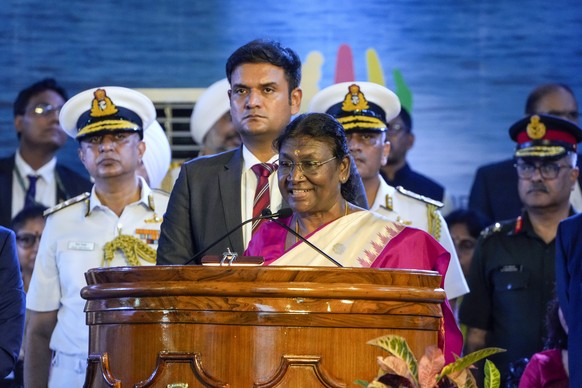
[512,274]
[32,176]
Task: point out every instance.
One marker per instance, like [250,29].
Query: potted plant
[401,369]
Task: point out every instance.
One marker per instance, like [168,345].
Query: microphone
[300,237]
[285,212]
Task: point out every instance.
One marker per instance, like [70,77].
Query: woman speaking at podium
[316,182]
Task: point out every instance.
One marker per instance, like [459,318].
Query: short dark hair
[473,219]
[540,92]
[267,51]
[406,119]
[26,94]
[324,128]
[25,215]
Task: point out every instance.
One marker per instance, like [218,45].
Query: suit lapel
[6,167]
[579,164]
[229,181]
[62,189]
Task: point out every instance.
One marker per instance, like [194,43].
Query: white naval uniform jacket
[422,213]
[72,243]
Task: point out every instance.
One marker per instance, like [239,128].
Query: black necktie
[31,192]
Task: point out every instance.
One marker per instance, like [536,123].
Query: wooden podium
[193,326]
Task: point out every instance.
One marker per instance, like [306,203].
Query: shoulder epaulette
[177,164]
[491,230]
[64,204]
[161,191]
[419,197]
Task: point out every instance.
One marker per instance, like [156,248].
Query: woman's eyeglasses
[27,240]
[306,167]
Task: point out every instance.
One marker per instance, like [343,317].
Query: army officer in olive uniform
[512,274]
[116,224]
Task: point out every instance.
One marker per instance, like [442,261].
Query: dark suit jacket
[204,205]
[72,184]
[569,289]
[494,191]
[12,303]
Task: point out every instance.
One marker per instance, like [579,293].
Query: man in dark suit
[11,303]
[36,111]
[494,189]
[213,194]
[569,289]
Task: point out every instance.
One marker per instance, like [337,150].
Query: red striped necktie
[262,196]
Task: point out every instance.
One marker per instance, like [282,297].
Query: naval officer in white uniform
[364,109]
[117,224]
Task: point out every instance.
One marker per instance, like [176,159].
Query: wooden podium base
[192,326]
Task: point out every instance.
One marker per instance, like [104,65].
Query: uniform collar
[146,198]
[384,196]
[523,224]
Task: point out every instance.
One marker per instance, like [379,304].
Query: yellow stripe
[361,122]
[359,118]
[107,125]
[540,151]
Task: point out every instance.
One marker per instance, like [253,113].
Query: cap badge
[102,105]
[536,129]
[354,99]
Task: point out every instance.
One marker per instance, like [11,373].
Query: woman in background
[549,368]
[465,225]
[28,225]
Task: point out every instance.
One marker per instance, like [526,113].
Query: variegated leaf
[459,377]
[393,364]
[492,375]
[397,346]
[468,360]
[429,366]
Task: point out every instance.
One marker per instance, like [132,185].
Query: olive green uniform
[511,279]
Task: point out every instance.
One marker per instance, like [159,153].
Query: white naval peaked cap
[158,154]
[358,105]
[107,109]
[209,108]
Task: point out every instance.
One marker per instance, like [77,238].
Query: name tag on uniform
[81,246]
[511,268]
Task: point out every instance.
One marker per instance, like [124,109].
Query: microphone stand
[266,214]
[294,233]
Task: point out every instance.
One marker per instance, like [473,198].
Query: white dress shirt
[249,186]
[46,185]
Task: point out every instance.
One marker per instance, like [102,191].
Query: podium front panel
[252,326]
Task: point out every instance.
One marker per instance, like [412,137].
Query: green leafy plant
[401,369]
